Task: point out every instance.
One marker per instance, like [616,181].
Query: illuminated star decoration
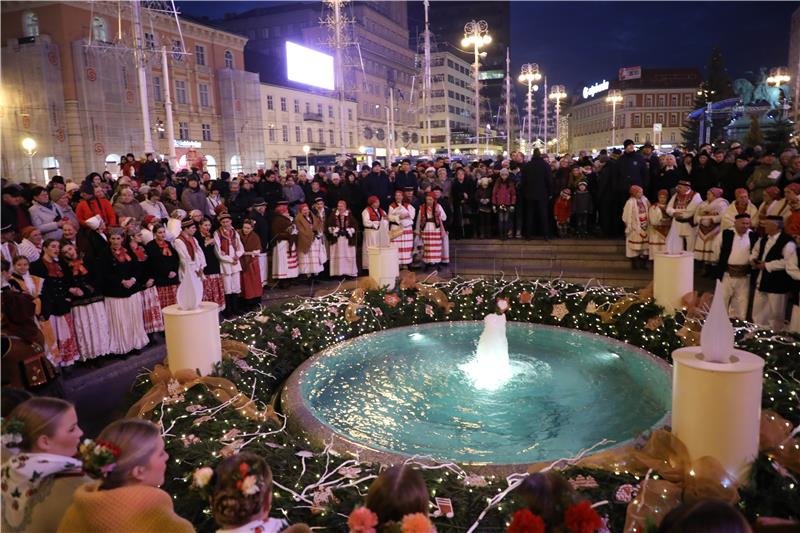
[559,311]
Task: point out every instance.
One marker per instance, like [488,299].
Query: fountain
[491,367]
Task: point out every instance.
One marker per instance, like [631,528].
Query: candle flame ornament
[716,337]
[673,244]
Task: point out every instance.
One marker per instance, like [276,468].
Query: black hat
[742,215]
[436,188]
[6,227]
[193,177]
[626,142]
[222,216]
[585,162]
[768,153]
[259,203]
[186,223]
[282,202]
[685,182]
[376,164]
[406,160]
[647,144]
[319,199]
[13,190]
[224,176]
[616,151]
[743,156]
[409,188]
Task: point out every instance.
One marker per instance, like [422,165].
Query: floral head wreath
[247,481]
[12,429]
[362,520]
[99,457]
[578,518]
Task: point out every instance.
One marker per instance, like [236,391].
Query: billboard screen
[309,67]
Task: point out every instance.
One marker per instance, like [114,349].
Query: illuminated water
[402,391]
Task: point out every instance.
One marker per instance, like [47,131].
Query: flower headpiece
[12,429]
[362,520]
[99,457]
[578,518]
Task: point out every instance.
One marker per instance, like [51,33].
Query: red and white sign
[99,149]
[630,73]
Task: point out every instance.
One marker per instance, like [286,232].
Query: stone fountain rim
[302,421]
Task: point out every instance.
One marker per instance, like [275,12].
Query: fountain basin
[400,392]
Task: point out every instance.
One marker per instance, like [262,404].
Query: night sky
[579,42]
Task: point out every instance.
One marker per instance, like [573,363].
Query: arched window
[228,59]
[211,166]
[30,24]
[99,29]
[236,164]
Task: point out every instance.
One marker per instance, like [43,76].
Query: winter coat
[582,203]
[504,193]
[45,218]
[194,199]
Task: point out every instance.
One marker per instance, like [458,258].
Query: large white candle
[384,265]
[193,337]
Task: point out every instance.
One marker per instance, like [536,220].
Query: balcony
[316,147]
[313,117]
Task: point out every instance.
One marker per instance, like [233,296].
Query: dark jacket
[270,191]
[777,282]
[212,261]
[378,184]
[631,170]
[262,227]
[56,298]
[149,170]
[161,265]
[537,181]
[406,179]
[115,271]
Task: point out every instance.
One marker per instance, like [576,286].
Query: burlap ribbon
[222,389]
[408,280]
[777,441]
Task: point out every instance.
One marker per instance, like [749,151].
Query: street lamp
[29,145]
[476,34]
[778,76]
[614,97]
[488,135]
[306,149]
[557,93]
[529,74]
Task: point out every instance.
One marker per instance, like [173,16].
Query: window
[648,119]
[321,136]
[637,119]
[203,91]
[319,109]
[672,136]
[183,131]
[636,137]
[180,92]
[330,111]
[270,105]
[350,137]
[673,119]
[648,100]
[283,104]
[297,135]
[285,132]
[177,49]
[272,134]
[149,41]
[309,135]
[687,100]
[308,107]
[660,118]
[156,88]
[206,132]
[200,54]
[350,115]
[297,106]
[30,24]
[673,100]
[228,59]
[99,29]
[662,100]
[330,136]
[265,33]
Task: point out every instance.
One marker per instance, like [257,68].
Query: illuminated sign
[589,92]
[491,75]
[630,73]
[308,66]
[181,143]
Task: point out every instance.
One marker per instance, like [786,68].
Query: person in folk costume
[252,287]
[92,238]
[163,264]
[401,228]
[732,255]
[376,228]
[773,284]
[311,254]
[31,244]
[341,226]
[659,223]
[176,218]
[88,309]
[772,204]
[792,216]
[56,305]
[444,202]
[152,317]
[192,260]
[708,218]
[23,281]
[430,227]
[740,205]
[284,251]
[681,208]
[793,269]
[213,289]
[320,212]
[637,237]
[229,250]
[8,245]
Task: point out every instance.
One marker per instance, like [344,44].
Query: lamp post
[306,149]
[529,74]
[476,34]
[557,93]
[780,76]
[488,135]
[614,97]
[29,145]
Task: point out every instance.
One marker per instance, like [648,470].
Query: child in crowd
[562,211]
[504,197]
[483,195]
[582,209]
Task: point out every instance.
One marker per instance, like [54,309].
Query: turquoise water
[402,391]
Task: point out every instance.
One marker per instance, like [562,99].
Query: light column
[614,97]
[557,93]
[530,74]
[476,35]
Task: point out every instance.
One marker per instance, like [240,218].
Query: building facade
[70,83]
[794,64]
[295,118]
[451,107]
[654,108]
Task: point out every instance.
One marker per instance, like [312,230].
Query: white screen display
[308,66]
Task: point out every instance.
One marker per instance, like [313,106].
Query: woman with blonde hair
[38,483]
[129,459]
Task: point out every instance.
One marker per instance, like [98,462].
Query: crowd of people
[54,481]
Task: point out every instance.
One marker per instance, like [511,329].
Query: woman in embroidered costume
[229,252]
[708,218]
[192,264]
[121,275]
[659,223]
[38,483]
[311,255]
[376,229]
[213,290]
[252,287]
[146,283]
[341,226]
[401,227]
[242,497]
[129,459]
[430,227]
[163,263]
[634,215]
[56,305]
[284,253]
[397,500]
[681,208]
[88,310]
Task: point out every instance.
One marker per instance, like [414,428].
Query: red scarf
[190,243]
[165,251]
[226,239]
[376,215]
[77,267]
[53,269]
[141,255]
[121,255]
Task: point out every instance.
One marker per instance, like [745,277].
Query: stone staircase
[571,259]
